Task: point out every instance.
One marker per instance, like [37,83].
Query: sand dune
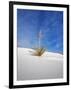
[47,66]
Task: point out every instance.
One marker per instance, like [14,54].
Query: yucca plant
[38,52]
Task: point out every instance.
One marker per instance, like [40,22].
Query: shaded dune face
[33,67]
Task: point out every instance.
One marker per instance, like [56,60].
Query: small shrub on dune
[38,52]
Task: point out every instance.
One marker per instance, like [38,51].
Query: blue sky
[30,22]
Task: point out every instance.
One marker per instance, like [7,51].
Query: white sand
[47,66]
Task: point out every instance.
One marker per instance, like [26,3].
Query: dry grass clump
[38,52]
